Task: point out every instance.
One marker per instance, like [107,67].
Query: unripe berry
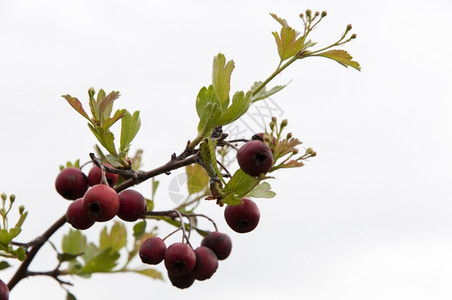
[4,291]
[181,281]
[101,203]
[179,259]
[219,243]
[254,158]
[77,217]
[131,205]
[95,176]
[71,183]
[244,217]
[206,263]
[152,251]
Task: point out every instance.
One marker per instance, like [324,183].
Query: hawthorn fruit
[179,259]
[244,217]
[219,243]
[152,251]
[4,291]
[95,176]
[101,203]
[77,217]
[131,205]
[71,183]
[181,281]
[206,263]
[255,158]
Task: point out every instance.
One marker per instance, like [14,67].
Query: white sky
[368,218]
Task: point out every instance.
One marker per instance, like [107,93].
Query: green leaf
[238,186]
[263,93]
[288,44]
[116,239]
[105,261]
[70,296]
[281,21]
[105,138]
[342,57]
[77,105]
[74,242]
[209,161]
[197,178]
[130,124]
[106,104]
[94,107]
[221,79]
[149,204]
[90,252]
[239,106]
[13,232]
[20,253]
[120,113]
[4,264]
[67,257]
[153,273]
[209,119]
[263,190]
[139,229]
[4,237]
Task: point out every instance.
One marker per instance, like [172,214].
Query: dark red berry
[77,217]
[219,243]
[71,183]
[152,251]
[4,291]
[95,176]
[179,259]
[131,205]
[101,203]
[181,281]
[206,263]
[244,217]
[254,158]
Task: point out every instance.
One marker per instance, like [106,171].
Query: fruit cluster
[185,264]
[94,201]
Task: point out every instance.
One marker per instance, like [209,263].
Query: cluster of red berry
[96,202]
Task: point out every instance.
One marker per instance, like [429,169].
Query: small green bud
[91,92]
[12,197]
[3,196]
[295,151]
[274,119]
[301,16]
[308,13]
[284,123]
[289,136]
[349,27]
[323,15]
[316,14]
[353,36]
[21,209]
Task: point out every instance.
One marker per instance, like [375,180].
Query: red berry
[206,263]
[219,243]
[131,205]
[101,203]
[152,251]
[77,217]
[179,259]
[95,176]
[254,158]
[4,291]
[181,281]
[244,217]
[71,183]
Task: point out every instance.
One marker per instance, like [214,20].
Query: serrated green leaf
[130,125]
[209,119]
[239,185]
[342,57]
[91,251]
[263,190]
[139,229]
[221,79]
[205,96]
[288,44]
[239,106]
[4,265]
[116,239]
[105,137]
[94,107]
[74,242]
[263,93]
[77,105]
[153,273]
[104,262]
[120,113]
[106,104]
[197,178]
[281,21]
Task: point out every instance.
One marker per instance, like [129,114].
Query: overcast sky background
[368,218]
